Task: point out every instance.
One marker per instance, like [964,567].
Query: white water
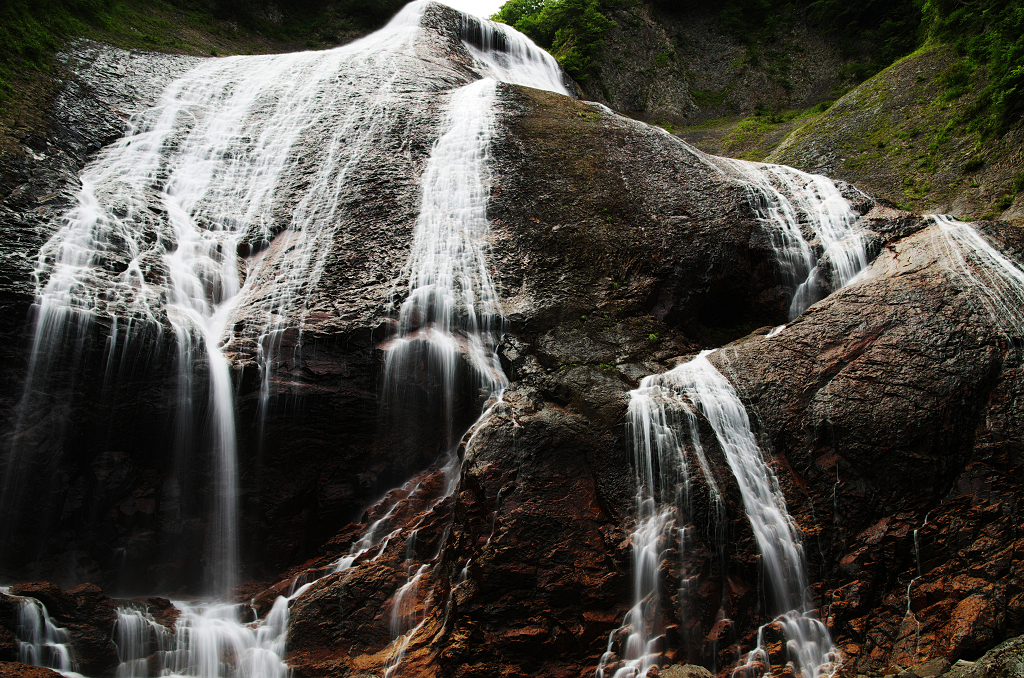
[998,281]
[138,637]
[209,641]
[449,323]
[512,57]
[39,641]
[697,385]
[784,199]
[213,156]
[663,497]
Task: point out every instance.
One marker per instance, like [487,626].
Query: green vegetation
[753,137]
[572,30]
[990,35]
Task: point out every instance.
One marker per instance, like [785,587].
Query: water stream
[998,281]
[39,641]
[790,203]
[449,323]
[659,410]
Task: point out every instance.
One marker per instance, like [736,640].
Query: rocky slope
[680,69]
[889,412]
[898,137]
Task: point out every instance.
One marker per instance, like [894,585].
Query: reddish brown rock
[16,670]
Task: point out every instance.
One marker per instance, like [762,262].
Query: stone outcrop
[1003,661]
[893,419]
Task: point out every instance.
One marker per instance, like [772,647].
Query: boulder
[1003,661]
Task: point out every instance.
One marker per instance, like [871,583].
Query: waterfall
[998,281]
[170,245]
[663,510]
[784,199]
[208,642]
[138,637]
[39,641]
[449,323]
[696,386]
[162,213]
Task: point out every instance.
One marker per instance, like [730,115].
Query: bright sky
[484,8]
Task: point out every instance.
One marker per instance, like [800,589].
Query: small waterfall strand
[998,281]
[40,642]
[809,644]
[663,498]
[451,316]
[209,641]
[783,198]
[509,56]
[138,638]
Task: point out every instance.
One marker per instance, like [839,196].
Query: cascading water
[208,642]
[998,281]
[783,199]
[196,180]
[39,641]
[697,385]
[139,637]
[663,511]
[449,322]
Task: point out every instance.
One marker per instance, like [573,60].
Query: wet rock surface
[890,423]
[890,411]
[85,613]
[18,670]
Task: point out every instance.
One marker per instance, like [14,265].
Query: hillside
[919,104]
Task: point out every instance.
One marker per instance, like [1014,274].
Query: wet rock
[1003,661]
[929,669]
[17,670]
[87,615]
[686,671]
[959,669]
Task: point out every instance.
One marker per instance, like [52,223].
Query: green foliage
[572,30]
[988,33]
[892,28]
[956,78]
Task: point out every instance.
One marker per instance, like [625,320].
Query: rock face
[683,68]
[1005,660]
[901,454]
[890,412]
